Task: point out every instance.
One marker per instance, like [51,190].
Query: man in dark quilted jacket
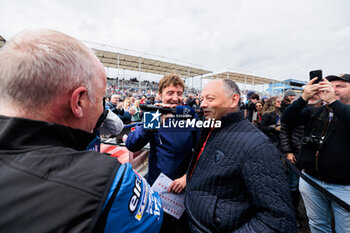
[235,182]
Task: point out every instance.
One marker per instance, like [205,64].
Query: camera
[311,140]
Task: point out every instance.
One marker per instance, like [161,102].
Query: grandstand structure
[243,78]
[141,62]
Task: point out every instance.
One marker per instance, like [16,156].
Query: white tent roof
[243,78]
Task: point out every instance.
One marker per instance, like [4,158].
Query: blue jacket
[147,214]
[171,149]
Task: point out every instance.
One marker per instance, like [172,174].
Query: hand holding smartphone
[311,90]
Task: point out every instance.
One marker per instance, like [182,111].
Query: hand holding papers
[173,204]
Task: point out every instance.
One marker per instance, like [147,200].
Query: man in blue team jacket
[51,91]
[171,149]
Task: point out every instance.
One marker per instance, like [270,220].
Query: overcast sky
[271,38]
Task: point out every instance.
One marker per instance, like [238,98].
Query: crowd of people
[126,103]
[54,105]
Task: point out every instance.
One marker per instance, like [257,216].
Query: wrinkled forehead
[173,87]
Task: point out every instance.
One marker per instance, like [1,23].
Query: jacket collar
[232,117]
[19,132]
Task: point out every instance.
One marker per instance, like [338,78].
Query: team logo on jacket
[139,197]
[135,198]
[151,120]
[219,156]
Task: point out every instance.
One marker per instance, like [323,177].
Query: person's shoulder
[247,131]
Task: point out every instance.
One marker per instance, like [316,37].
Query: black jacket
[268,126]
[238,183]
[332,122]
[284,104]
[48,183]
[250,110]
[291,138]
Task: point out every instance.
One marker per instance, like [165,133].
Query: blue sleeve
[136,208]
[138,139]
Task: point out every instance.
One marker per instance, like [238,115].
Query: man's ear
[235,100]
[77,101]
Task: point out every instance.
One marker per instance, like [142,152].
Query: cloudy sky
[272,38]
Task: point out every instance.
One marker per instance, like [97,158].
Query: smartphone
[316,73]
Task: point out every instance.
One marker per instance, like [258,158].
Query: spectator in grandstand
[127,104]
[132,99]
[150,100]
[108,99]
[197,105]
[136,112]
[324,153]
[171,149]
[115,104]
[242,103]
[264,99]
[253,99]
[289,96]
[143,100]
[190,100]
[248,96]
[257,115]
[51,94]
[157,99]
[235,181]
[270,122]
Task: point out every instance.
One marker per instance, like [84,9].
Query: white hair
[36,66]
[231,87]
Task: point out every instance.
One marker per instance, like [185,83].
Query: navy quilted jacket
[238,183]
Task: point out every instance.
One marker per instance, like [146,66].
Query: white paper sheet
[173,203]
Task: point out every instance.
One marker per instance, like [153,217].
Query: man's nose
[204,104]
[175,97]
